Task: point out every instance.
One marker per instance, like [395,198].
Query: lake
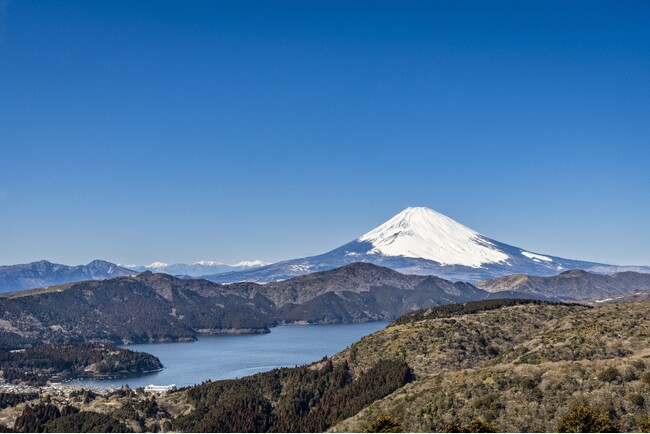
[234,356]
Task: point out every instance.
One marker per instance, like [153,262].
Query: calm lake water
[235,356]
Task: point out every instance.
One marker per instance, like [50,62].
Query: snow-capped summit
[208,263]
[424,233]
[256,263]
[420,240]
[199,268]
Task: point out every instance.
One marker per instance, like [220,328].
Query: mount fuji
[422,241]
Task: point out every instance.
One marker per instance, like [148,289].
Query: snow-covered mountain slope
[199,268]
[422,241]
[426,234]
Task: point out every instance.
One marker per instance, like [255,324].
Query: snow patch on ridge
[162,265]
[208,263]
[537,257]
[250,264]
[423,233]
[300,268]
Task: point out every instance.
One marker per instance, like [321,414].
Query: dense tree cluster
[84,395]
[10,340]
[303,399]
[385,423]
[34,417]
[644,426]
[87,421]
[13,399]
[39,364]
[140,411]
[47,417]
[586,419]
[475,426]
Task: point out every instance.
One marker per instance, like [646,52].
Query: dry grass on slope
[597,357]
[430,346]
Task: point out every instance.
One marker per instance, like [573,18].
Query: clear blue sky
[230,130]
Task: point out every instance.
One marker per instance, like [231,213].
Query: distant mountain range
[422,241]
[573,285]
[156,307]
[200,268]
[44,273]
[417,241]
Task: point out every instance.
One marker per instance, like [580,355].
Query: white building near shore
[160,390]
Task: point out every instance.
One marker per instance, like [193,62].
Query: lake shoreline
[243,332]
[227,356]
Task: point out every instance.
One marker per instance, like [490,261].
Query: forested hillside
[519,368]
[495,365]
[42,363]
